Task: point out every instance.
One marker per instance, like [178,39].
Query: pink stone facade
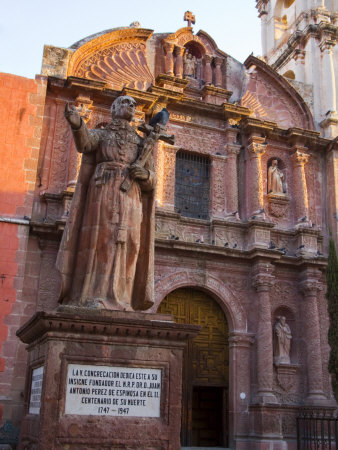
[263,255]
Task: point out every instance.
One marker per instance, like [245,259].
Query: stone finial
[189,17]
[135,24]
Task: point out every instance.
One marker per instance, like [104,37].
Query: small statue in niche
[282,341]
[106,254]
[189,65]
[275,179]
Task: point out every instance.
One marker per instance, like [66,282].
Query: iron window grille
[192,185]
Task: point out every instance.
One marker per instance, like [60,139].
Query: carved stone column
[232,151]
[165,189]
[310,288]
[239,394]
[169,58]
[218,186]
[218,71]
[179,51]
[299,159]
[263,280]
[207,73]
[256,149]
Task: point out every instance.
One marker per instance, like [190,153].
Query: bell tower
[299,41]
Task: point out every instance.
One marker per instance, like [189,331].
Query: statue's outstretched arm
[85,140]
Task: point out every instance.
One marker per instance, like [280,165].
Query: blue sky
[26,25]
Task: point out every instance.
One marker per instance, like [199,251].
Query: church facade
[241,233]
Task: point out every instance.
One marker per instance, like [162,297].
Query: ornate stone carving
[55,61]
[263,279]
[218,163]
[278,205]
[119,64]
[61,146]
[287,376]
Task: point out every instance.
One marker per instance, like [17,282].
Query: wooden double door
[205,368]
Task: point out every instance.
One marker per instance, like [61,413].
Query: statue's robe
[106,256]
[275,180]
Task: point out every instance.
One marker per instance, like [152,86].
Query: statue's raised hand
[72,116]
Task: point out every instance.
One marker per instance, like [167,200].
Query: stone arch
[266,85]
[233,310]
[195,48]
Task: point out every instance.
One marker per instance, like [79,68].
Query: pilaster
[299,159]
[256,149]
[165,189]
[218,186]
[232,151]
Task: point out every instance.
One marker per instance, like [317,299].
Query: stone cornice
[68,321]
[299,136]
[251,125]
[301,37]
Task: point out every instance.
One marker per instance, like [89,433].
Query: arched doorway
[205,368]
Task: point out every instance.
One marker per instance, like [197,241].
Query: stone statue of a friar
[106,254]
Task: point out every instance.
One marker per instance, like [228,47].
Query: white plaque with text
[36,388]
[113,391]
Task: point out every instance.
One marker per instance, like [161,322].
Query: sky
[26,25]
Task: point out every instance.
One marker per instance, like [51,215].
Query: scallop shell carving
[123,65]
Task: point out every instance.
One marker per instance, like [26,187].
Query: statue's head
[123,107]
[274,162]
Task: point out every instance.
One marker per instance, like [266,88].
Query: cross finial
[189,17]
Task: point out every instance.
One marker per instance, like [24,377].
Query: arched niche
[195,49]
[281,167]
[290,318]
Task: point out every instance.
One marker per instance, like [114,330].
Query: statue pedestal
[103,379]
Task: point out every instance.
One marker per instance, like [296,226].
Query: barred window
[192,185]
